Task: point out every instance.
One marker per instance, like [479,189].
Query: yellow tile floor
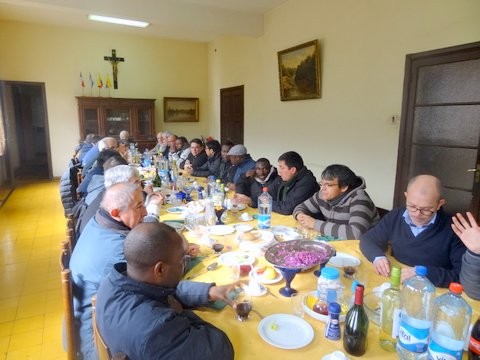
[32,226]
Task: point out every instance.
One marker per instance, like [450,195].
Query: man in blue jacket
[419,234]
[145,295]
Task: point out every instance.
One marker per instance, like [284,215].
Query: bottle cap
[334,308]
[395,275]
[354,285]
[456,288]
[330,273]
[421,270]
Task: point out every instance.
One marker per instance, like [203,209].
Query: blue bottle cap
[354,285]
[421,270]
[330,273]
[334,308]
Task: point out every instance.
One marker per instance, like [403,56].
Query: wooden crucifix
[114,60]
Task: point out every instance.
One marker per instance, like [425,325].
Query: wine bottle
[356,326]
[390,312]
[474,344]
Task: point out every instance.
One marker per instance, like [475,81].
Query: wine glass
[219,210]
[188,190]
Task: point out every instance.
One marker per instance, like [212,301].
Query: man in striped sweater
[342,207]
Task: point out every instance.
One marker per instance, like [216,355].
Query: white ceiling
[196,20]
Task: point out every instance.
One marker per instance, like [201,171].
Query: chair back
[66,277]
[71,235]
[102,349]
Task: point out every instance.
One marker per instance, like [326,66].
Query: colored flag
[82,83]
[108,82]
[91,80]
[99,82]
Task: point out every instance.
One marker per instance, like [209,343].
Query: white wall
[153,68]
[363,49]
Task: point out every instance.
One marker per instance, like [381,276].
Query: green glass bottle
[390,312]
[356,326]
[157,182]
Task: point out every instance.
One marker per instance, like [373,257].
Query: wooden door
[231,114]
[440,130]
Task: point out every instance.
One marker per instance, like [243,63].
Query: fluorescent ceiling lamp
[113,20]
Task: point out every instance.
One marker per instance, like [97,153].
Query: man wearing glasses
[418,234]
[342,207]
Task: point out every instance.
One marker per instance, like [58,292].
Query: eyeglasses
[327,185]
[426,212]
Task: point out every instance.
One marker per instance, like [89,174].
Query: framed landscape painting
[180,109]
[299,72]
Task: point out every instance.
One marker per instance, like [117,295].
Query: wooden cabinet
[109,116]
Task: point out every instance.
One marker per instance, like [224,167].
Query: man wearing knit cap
[241,161]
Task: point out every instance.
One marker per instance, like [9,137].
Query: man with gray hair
[99,247]
[419,234]
[91,156]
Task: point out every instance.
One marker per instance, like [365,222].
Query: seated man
[342,207]
[142,305]
[295,184]
[251,184]
[213,149]
[225,175]
[99,247]
[182,150]
[419,234]
[92,154]
[469,232]
[197,156]
[241,163]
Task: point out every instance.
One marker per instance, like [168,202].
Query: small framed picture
[180,109]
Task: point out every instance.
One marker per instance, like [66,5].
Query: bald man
[145,294]
[419,234]
[98,248]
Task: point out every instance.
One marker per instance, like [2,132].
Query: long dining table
[245,337]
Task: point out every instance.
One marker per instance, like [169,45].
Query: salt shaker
[332,329]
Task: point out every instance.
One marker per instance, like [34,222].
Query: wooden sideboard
[108,116]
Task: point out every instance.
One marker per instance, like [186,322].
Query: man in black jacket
[295,184]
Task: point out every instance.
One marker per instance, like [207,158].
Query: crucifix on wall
[114,60]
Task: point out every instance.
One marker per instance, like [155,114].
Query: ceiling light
[113,20]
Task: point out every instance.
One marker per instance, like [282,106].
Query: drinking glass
[297,304]
[242,305]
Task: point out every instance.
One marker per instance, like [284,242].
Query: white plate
[260,244]
[221,230]
[243,227]
[176,209]
[338,260]
[314,314]
[260,292]
[261,279]
[176,225]
[277,330]
[236,258]
[287,233]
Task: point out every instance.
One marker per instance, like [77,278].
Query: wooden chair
[71,235]
[66,276]
[102,349]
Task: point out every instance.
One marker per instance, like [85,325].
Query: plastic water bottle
[417,298]
[451,320]
[210,186]
[218,195]
[264,209]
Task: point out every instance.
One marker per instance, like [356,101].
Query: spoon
[210,267]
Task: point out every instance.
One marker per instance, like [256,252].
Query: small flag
[82,83]
[108,82]
[91,80]
[99,82]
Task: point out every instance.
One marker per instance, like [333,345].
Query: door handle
[477,173]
